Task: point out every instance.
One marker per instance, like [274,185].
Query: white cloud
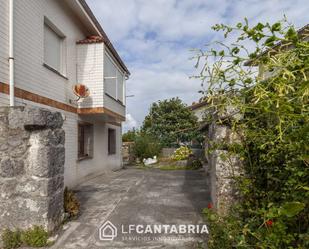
[154,38]
[130,122]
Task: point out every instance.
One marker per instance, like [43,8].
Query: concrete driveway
[133,198]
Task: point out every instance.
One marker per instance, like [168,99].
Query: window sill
[84,158]
[118,101]
[54,70]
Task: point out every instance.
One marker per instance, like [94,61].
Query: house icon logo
[107,231]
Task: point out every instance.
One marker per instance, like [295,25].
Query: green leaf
[290,209]
[235,50]
[291,34]
[221,53]
[276,27]
[270,41]
[259,26]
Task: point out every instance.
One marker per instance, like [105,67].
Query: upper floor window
[113,80]
[54,46]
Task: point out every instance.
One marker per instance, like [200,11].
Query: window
[113,80]
[53,47]
[111,141]
[85,140]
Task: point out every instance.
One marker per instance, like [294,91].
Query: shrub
[181,153]
[35,237]
[273,125]
[71,203]
[11,239]
[196,164]
[129,136]
[146,147]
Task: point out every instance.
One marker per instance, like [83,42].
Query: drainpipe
[11,51]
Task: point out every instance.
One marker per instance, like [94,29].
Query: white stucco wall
[200,113]
[90,72]
[31,75]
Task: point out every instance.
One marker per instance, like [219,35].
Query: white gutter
[11,51]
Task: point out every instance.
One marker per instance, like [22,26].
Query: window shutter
[52,48]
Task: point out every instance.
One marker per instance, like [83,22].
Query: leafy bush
[196,164]
[146,147]
[129,136]
[71,203]
[274,131]
[11,239]
[181,153]
[35,237]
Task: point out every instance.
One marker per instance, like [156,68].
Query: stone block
[55,120]
[49,137]
[40,186]
[7,188]
[23,212]
[4,110]
[45,161]
[11,167]
[32,159]
[3,144]
[16,117]
[39,118]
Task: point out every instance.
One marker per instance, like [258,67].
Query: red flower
[269,223]
[209,206]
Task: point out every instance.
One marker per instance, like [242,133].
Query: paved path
[135,196]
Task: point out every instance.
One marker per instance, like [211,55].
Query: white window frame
[63,56]
[116,78]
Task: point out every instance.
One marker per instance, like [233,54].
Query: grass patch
[34,237]
[141,166]
[175,167]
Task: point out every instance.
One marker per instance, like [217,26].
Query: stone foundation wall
[32,159]
[127,153]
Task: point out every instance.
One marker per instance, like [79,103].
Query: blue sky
[154,38]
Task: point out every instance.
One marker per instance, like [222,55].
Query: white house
[46,48]
[199,109]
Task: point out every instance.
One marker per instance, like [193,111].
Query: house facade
[199,109]
[57,44]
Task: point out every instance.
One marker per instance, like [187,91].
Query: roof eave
[98,27]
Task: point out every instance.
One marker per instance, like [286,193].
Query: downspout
[11,51]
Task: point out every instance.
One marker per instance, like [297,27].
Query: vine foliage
[261,72]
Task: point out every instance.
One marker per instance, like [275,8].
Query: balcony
[99,71]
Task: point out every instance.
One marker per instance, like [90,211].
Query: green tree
[171,122]
[129,136]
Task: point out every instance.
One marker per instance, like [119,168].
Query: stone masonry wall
[32,159]
[222,166]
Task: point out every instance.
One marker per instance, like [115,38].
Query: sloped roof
[195,106]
